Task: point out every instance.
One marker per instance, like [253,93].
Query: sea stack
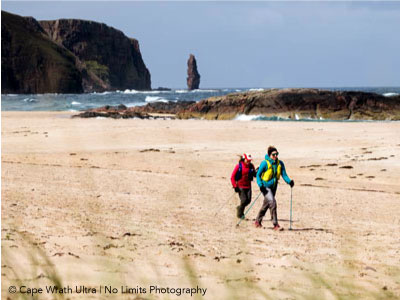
[193,79]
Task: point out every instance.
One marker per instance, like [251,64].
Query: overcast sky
[251,44]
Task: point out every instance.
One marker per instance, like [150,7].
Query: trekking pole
[244,216]
[223,204]
[291,196]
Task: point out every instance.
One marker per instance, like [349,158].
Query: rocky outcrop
[109,60]
[31,63]
[117,112]
[298,103]
[68,56]
[163,108]
[193,79]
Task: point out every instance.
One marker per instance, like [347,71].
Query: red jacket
[245,180]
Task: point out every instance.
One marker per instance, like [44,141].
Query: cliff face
[31,62]
[68,56]
[302,103]
[193,79]
[108,59]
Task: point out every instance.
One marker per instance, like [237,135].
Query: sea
[79,102]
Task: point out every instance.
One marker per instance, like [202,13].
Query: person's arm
[233,179]
[259,173]
[284,174]
[253,172]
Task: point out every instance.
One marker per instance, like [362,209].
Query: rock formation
[298,103]
[118,112]
[286,103]
[112,60]
[68,56]
[31,63]
[193,79]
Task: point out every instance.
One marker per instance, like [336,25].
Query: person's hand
[237,190]
[291,183]
[263,190]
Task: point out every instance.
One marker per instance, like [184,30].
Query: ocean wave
[150,99]
[203,91]
[181,91]
[127,91]
[30,100]
[390,94]
[130,92]
[75,103]
[133,104]
[103,93]
[256,90]
[242,117]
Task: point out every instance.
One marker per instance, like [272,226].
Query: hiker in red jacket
[241,178]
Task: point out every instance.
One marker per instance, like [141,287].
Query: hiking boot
[257,224]
[239,213]
[276,227]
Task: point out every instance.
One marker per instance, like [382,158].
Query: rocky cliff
[193,79]
[68,56]
[31,62]
[112,60]
[298,103]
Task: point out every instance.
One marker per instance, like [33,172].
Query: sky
[251,44]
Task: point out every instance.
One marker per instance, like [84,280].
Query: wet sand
[135,203]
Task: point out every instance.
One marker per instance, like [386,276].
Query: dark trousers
[245,199]
[269,202]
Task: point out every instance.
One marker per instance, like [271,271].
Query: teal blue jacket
[272,183]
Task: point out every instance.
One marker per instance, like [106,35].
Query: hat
[247,157]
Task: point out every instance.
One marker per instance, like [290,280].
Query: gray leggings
[269,202]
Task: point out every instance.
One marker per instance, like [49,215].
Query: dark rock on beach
[164,108]
[68,56]
[286,103]
[193,79]
[117,112]
[298,103]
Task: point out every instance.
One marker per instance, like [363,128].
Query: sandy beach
[140,203]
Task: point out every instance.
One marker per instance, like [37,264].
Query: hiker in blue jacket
[268,176]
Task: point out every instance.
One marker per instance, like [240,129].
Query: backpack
[252,172]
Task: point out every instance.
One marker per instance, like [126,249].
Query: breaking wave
[150,99]
[390,94]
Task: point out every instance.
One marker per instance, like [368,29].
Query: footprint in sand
[346,167]
[319,178]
